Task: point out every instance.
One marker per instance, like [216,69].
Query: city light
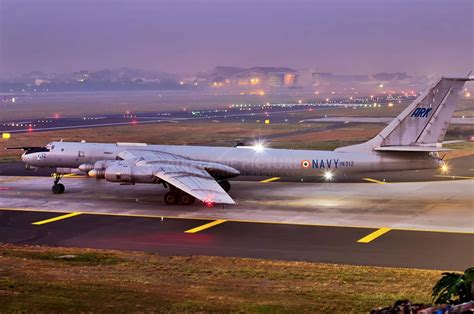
[390,104]
[255,81]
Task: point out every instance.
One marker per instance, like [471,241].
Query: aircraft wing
[196,182]
[187,175]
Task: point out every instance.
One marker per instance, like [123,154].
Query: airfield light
[468,94]
[444,168]
[6,136]
[328,175]
[390,104]
[300,101]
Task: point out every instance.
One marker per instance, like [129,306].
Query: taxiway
[412,224]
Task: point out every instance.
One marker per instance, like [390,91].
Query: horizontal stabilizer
[426,149]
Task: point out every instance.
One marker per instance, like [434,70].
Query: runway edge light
[6,136]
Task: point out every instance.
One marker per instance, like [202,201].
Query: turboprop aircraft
[410,142]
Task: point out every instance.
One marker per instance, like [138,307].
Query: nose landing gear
[57,187]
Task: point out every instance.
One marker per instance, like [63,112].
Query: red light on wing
[209,201]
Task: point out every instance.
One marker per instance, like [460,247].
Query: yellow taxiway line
[453,177]
[270,180]
[374,181]
[42,222]
[56,211]
[374,235]
[206,226]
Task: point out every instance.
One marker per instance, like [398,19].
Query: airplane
[411,141]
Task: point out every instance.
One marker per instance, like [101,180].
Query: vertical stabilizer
[424,122]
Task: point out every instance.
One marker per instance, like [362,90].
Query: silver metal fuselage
[249,161]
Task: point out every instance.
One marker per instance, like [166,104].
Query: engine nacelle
[86,167]
[68,171]
[127,173]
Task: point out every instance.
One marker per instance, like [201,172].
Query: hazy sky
[344,36]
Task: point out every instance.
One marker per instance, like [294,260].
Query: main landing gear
[175,197]
[225,185]
[57,187]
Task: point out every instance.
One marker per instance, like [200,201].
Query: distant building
[39,82]
[262,77]
[81,76]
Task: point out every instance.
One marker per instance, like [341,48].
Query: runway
[413,224]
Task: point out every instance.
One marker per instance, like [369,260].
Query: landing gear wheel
[171,198]
[58,188]
[186,199]
[225,185]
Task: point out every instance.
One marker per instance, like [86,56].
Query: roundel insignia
[305,164]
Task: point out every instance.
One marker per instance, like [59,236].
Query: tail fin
[423,124]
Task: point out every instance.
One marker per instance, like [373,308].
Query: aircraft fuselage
[248,160]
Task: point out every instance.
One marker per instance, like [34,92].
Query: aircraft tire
[186,199]
[171,198]
[58,188]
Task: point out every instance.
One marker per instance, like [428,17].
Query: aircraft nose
[26,158]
